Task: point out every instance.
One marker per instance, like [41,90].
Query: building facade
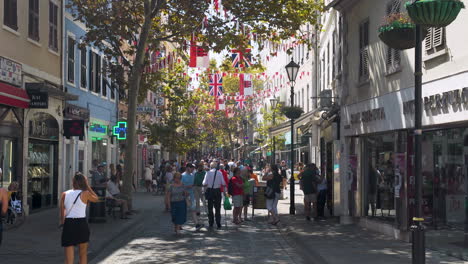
[86,76]
[377,116]
[30,46]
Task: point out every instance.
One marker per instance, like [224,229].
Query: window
[83,67]
[112,89]
[104,78]
[10,14]
[33,26]
[328,64]
[334,61]
[308,97]
[364,51]
[97,71]
[393,55]
[53,26]
[435,40]
[91,71]
[71,60]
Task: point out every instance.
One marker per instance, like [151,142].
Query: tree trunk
[134,87]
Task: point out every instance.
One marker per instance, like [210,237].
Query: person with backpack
[308,183]
[235,189]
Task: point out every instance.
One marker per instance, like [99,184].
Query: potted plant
[434,13]
[292,112]
[398,31]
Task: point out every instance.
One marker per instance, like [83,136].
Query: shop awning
[13,96]
[51,90]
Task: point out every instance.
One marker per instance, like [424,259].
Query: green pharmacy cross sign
[120,130]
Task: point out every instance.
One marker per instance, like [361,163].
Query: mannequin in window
[374,175]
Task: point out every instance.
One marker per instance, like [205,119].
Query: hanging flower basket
[434,13]
[398,32]
[292,112]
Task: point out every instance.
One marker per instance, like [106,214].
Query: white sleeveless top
[74,211]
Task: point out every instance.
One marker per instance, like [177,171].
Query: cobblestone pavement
[155,242]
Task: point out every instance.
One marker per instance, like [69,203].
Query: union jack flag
[216,84]
[240,102]
[241,59]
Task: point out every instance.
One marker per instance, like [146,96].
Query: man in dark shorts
[308,183]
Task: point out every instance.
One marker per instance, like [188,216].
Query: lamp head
[274,102]
[292,69]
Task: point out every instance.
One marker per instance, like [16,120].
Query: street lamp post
[419,254]
[292,69]
[274,103]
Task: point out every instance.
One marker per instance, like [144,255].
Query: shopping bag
[227,203]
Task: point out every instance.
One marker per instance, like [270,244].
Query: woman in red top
[237,195]
[225,177]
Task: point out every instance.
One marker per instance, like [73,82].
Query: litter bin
[97,211]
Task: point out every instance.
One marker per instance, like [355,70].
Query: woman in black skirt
[73,218]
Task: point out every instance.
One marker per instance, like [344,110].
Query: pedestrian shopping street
[340,125]
[149,238]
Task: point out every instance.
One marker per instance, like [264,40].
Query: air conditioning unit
[325,98]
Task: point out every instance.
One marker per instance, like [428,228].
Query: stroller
[159,184]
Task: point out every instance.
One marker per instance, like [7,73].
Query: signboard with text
[10,72]
[39,100]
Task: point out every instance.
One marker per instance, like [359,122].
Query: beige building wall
[35,56]
[452,60]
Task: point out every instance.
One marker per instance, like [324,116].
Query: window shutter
[428,41]
[437,37]
[396,58]
[366,61]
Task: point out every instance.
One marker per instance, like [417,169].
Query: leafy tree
[127,30]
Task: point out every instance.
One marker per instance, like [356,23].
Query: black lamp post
[292,69]
[274,103]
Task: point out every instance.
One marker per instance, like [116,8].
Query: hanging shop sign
[73,128]
[10,72]
[98,128]
[76,112]
[38,99]
[120,130]
[43,126]
[144,109]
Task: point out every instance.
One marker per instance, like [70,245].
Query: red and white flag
[246,84]
[199,57]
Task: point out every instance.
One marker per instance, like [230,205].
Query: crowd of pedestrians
[192,188]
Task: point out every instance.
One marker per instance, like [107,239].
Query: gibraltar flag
[198,56]
[246,85]
[220,103]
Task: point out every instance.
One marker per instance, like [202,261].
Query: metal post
[274,139]
[292,206]
[417,227]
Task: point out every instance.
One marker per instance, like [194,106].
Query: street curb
[300,245]
[126,228]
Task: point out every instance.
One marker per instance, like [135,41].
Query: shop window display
[384,173]
[445,158]
[41,174]
[99,152]
[7,161]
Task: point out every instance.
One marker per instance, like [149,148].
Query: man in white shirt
[213,182]
[232,164]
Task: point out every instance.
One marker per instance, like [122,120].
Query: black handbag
[210,192]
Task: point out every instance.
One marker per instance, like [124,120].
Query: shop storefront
[10,145]
[101,144]
[379,177]
[42,170]
[98,133]
[13,100]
